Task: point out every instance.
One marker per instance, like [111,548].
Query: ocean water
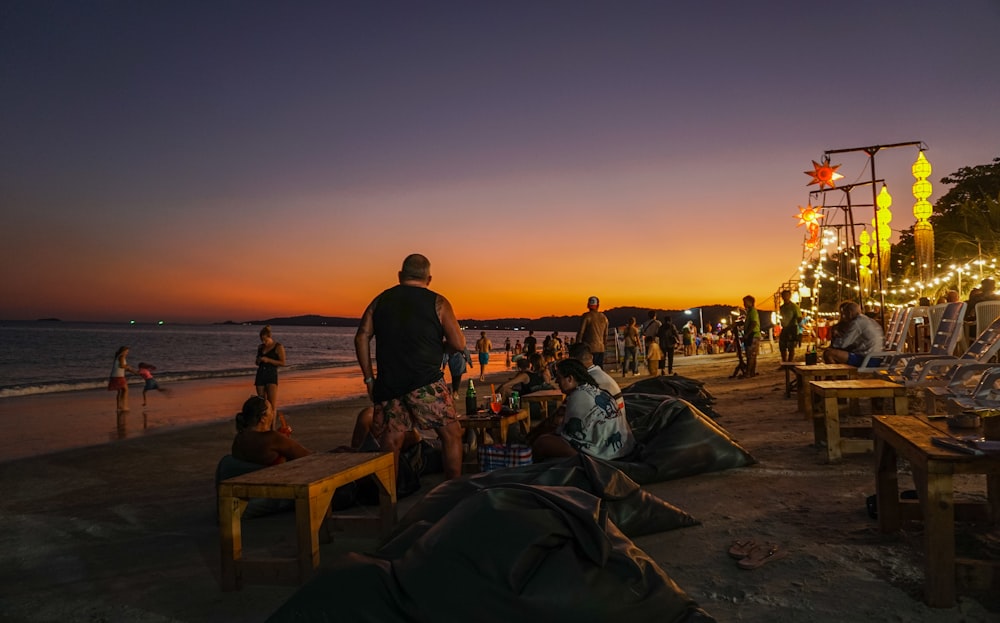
[47,357]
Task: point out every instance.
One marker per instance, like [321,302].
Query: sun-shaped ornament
[808,215]
[824,174]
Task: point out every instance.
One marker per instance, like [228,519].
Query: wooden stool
[311,482]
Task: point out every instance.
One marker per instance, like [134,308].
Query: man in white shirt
[581,352]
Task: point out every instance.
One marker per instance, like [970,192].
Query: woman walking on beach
[270,355]
[117,381]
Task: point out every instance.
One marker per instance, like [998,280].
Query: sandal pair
[751,555]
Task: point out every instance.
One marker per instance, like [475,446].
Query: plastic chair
[949,330]
[986,313]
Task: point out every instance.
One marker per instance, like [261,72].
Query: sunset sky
[214,160]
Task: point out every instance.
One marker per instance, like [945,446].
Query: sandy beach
[126,531]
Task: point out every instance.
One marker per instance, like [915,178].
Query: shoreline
[59,421]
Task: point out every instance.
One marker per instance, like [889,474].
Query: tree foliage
[966,220]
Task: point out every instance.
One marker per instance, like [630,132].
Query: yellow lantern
[921,169]
[884,199]
[923,231]
[922,209]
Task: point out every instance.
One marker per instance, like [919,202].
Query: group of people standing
[660,339]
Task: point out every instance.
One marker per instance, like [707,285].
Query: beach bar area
[107,531]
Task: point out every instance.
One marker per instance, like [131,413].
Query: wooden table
[787,366]
[933,469]
[804,374]
[498,425]
[311,482]
[542,397]
[826,425]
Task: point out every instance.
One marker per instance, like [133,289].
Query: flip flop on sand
[761,555]
[741,548]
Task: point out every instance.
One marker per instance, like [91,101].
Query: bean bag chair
[635,511]
[676,440]
[505,553]
[691,390]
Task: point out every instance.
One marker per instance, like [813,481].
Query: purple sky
[234,160]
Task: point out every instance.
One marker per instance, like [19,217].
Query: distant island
[617,316]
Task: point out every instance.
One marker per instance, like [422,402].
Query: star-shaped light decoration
[808,215]
[824,174]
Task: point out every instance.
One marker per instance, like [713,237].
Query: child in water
[146,372]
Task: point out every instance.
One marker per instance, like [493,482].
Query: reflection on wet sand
[121,427]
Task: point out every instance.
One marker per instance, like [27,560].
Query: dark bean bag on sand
[677,440]
[691,390]
[633,510]
[515,553]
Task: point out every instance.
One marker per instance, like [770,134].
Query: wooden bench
[826,425]
[310,482]
[805,374]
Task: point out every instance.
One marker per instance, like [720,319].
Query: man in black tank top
[413,327]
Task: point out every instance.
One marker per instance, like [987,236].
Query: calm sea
[46,357]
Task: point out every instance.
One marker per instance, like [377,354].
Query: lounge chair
[967,385]
[890,363]
[928,370]
[985,395]
[895,338]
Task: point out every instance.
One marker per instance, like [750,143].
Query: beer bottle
[470,399]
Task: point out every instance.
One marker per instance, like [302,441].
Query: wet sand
[126,531]
[48,423]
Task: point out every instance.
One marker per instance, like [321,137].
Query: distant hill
[617,316]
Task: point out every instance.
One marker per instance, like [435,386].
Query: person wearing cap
[593,330]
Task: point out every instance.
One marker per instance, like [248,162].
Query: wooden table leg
[231,540]
[938,509]
[386,479]
[788,382]
[805,393]
[307,531]
[831,423]
[901,403]
[887,487]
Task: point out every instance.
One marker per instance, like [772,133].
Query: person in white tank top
[117,381]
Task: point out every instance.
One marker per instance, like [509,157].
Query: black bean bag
[514,553]
[691,390]
[676,440]
[635,511]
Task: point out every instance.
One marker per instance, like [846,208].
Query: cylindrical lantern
[923,231]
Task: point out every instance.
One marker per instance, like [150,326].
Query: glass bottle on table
[470,399]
